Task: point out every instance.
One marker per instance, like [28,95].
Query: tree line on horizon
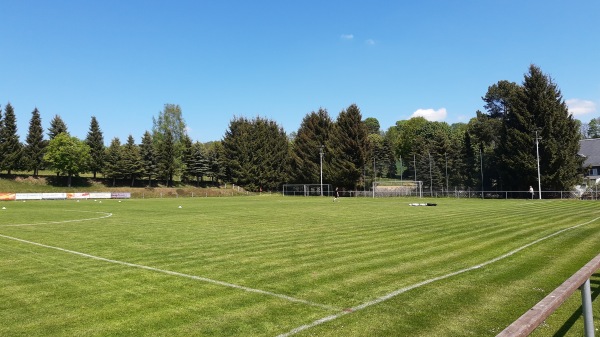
[496,150]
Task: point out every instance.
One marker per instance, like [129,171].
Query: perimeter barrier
[530,320]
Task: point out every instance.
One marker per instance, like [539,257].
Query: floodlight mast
[537,150]
[321,157]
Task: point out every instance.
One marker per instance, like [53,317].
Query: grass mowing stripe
[168,272]
[426,282]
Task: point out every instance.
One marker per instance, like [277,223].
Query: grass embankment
[264,266]
[49,183]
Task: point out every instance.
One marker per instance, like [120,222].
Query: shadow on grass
[595,288]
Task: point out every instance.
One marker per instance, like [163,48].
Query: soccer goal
[398,188]
[307,189]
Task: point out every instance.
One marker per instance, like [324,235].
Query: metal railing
[530,320]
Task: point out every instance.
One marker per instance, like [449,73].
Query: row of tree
[496,150]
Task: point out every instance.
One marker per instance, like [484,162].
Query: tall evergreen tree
[132,160]
[148,158]
[197,163]
[306,150]
[216,164]
[10,146]
[256,153]
[95,140]
[187,158]
[35,145]
[1,140]
[168,160]
[347,149]
[114,167]
[57,126]
[542,112]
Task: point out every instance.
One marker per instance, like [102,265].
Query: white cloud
[431,114]
[370,42]
[579,107]
[347,36]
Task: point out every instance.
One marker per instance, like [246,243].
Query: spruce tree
[95,140]
[148,158]
[307,147]
[114,165]
[168,160]
[256,153]
[347,149]
[540,111]
[10,146]
[35,145]
[57,126]
[132,160]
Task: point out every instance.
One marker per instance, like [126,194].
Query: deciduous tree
[67,155]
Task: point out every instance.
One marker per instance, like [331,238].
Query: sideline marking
[106,215]
[417,285]
[168,272]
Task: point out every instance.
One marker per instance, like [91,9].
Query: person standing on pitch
[531,192]
[336,195]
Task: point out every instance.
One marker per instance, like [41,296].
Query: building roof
[590,149]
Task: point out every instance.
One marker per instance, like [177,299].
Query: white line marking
[106,215]
[417,285]
[173,273]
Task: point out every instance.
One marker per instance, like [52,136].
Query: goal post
[307,190]
[398,188]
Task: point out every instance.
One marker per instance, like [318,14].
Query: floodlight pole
[321,157]
[374,176]
[537,150]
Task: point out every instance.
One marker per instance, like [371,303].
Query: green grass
[331,257]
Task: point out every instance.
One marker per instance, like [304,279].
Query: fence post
[586,307]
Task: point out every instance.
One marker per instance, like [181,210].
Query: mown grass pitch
[280,266]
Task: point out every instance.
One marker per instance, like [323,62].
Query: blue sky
[121,61]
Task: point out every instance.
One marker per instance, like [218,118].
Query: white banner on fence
[53,196]
[29,196]
[62,196]
[100,195]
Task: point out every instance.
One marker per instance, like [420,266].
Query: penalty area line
[174,273]
[420,284]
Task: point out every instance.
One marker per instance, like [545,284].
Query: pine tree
[148,157]
[95,141]
[256,153]
[307,146]
[216,170]
[541,112]
[1,140]
[10,146]
[168,160]
[35,145]
[187,158]
[132,160]
[114,165]
[57,126]
[347,149]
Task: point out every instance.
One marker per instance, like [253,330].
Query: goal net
[397,188]
[307,189]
